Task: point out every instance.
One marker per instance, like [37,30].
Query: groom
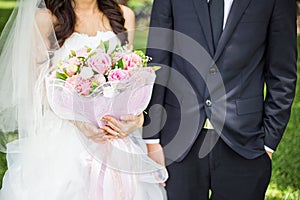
[228,148]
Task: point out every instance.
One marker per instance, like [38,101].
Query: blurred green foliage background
[285,183]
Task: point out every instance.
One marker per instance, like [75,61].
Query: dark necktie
[216,10]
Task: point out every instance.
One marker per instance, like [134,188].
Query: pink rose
[83,52]
[132,61]
[72,82]
[118,56]
[82,86]
[70,69]
[101,62]
[75,61]
[85,87]
[117,75]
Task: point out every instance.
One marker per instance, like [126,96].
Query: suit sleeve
[159,49]
[281,71]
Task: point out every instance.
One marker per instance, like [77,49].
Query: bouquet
[91,83]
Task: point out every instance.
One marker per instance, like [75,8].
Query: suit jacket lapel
[201,7]
[236,12]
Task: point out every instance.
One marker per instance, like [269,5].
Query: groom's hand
[270,154]
[123,127]
[155,152]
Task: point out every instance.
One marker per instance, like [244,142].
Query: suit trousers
[222,171]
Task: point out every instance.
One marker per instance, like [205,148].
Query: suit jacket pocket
[249,105]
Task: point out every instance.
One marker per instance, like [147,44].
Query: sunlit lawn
[7,4]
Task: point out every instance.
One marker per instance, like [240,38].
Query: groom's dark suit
[257,46]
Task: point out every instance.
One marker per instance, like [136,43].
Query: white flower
[86,73]
[109,91]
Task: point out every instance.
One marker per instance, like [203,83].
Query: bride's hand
[123,127]
[93,133]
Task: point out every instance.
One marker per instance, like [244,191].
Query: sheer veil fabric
[26,43]
[49,158]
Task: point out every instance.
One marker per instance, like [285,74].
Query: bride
[55,159]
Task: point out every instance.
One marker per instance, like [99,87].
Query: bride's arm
[46,21]
[129,17]
[98,135]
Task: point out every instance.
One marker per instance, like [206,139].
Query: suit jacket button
[213,70]
[208,103]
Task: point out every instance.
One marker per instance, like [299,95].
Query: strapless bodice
[80,40]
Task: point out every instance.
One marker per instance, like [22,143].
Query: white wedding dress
[61,164]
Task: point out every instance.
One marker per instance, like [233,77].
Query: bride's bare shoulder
[129,17]
[128,14]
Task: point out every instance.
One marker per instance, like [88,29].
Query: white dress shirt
[227,8]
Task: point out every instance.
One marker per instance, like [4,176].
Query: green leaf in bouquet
[155,68]
[88,49]
[78,68]
[59,64]
[73,53]
[81,58]
[92,90]
[101,46]
[142,55]
[61,76]
[90,55]
[106,45]
[95,83]
[116,49]
[65,70]
[120,64]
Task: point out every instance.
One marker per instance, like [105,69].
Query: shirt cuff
[152,141]
[269,149]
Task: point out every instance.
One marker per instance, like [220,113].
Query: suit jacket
[257,47]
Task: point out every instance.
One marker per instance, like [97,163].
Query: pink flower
[101,62]
[75,61]
[132,61]
[117,75]
[83,52]
[82,86]
[85,87]
[72,82]
[65,67]
[118,56]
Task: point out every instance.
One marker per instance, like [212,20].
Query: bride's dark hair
[66,18]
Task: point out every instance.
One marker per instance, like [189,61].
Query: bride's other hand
[93,133]
[156,153]
[123,127]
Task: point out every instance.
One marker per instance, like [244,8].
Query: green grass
[4,14]
[140,40]
[7,4]
[3,166]
[6,8]
[285,182]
